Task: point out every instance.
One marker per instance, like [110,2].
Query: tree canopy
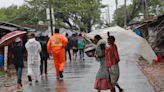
[135,11]
[77,14]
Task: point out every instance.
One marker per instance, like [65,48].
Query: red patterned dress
[112,60]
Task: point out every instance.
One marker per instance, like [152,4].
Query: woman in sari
[102,81]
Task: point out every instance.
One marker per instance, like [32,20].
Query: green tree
[135,10]
[78,14]
[81,14]
[15,14]
[3,16]
[152,7]
[8,13]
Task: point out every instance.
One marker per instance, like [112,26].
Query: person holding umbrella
[18,51]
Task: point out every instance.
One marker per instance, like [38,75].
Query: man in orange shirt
[56,46]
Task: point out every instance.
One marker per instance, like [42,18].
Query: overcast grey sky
[111,3]
[7,3]
[112,7]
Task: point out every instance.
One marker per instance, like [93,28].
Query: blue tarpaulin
[1,60]
[138,32]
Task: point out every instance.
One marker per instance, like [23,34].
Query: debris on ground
[154,73]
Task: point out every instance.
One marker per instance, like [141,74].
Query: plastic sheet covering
[1,60]
[129,44]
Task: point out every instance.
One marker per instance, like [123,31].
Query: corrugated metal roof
[11,25]
[7,28]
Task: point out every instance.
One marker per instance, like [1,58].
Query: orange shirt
[57,44]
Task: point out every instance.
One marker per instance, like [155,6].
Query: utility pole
[116,1]
[108,15]
[125,19]
[51,21]
[144,6]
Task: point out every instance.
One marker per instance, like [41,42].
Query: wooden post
[145,10]
[5,57]
[51,21]
[125,18]
[108,15]
[116,1]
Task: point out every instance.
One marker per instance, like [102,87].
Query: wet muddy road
[80,77]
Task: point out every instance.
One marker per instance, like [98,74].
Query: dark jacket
[18,52]
[68,44]
[74,42]
[44,53]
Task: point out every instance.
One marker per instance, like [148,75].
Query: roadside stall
[5,47]
[8,40]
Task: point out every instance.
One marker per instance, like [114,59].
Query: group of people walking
[38,52]
[35,59]
[57,46]
[108,57]
[76,43]
[37,55]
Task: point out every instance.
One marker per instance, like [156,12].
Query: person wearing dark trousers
[69,54]
[18,51]
[44,57]
[43,66]
[74,45]
[68,47]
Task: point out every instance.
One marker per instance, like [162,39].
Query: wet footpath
[80,77]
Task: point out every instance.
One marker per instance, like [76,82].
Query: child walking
[102,78]
[112,60]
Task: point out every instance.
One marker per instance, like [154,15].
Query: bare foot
[121,90]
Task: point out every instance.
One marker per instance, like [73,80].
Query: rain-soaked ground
[80,77]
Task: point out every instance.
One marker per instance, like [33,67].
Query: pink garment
[102,84]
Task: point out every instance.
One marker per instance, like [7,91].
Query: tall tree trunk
[116,4]
[125,19]
[51,21]
[145,12]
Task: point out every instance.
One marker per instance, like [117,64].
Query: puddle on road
[73,77]
[47,89]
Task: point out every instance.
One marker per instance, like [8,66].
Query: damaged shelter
[5,53]
[130,45]
[153,31]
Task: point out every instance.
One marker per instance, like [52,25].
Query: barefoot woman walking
[102,78]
